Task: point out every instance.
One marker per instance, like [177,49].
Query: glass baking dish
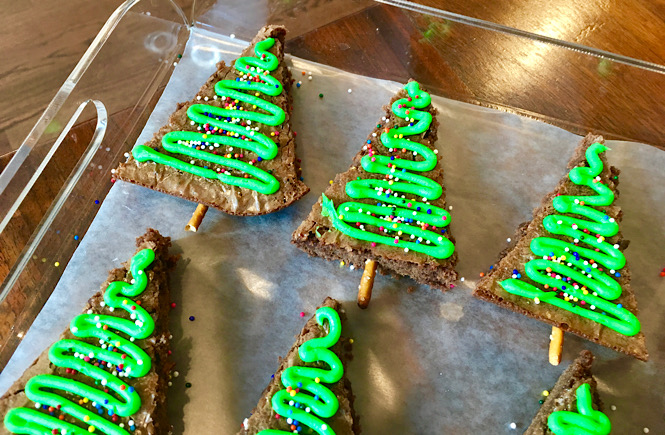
[47,206]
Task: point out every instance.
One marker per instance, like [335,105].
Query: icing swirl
[586,421]
[577,271]
[296,405]
[394,213]
[230,126]
[116,352]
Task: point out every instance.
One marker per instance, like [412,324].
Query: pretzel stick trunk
[197,218]
[556,346]
[366,284]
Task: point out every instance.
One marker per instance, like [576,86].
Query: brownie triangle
[407,232]
[563,396]
[232,146]
[99,364]
[344,421]
[571,295]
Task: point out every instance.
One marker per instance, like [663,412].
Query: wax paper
[424,361]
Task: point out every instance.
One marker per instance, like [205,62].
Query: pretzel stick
[366,284]
[197,218]
[556,346]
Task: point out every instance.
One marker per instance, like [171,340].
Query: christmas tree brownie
[109,371]
[310,392]
[232,146]
[390,205]
[572,406]
[566,267]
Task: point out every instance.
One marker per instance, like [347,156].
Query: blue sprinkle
[619,306]
[76,237]
[131,389]
[96,201]
[316,397]
[491,267]
[392,157]
[515,271]
[237,79]
[443,231]
[297,85]
[259,159]
[418,209]
[563,287]
[417,242]
[369,141]
[617,274]
[106,401]
[429,211]
[299,384]
[45,406]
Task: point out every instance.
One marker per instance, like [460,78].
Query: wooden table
[461,62]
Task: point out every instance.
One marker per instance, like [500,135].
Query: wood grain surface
[563,87]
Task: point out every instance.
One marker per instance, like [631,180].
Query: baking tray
[467,366]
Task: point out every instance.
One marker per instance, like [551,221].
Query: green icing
[577,270]
[393,214]
[586,421]
[231,126]
[125,357]
[297,380]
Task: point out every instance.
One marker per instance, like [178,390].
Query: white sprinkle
[232,36]
[350,90]
[462,279]
[513,426]
[508,240]
[450,207]
[645,430]
[176,374]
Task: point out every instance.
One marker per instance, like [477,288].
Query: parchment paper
[424,362]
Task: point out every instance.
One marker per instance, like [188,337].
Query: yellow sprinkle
[293,393]
[546,393]
[91,429]
[256,94]
[330,182]
[341,217]
[56,264]
[254,106]
[317,380]
[563,257]
[205,136]
[272,133]
[394,225]
[586,292]
[341,263]
[86,418]
[351,340]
